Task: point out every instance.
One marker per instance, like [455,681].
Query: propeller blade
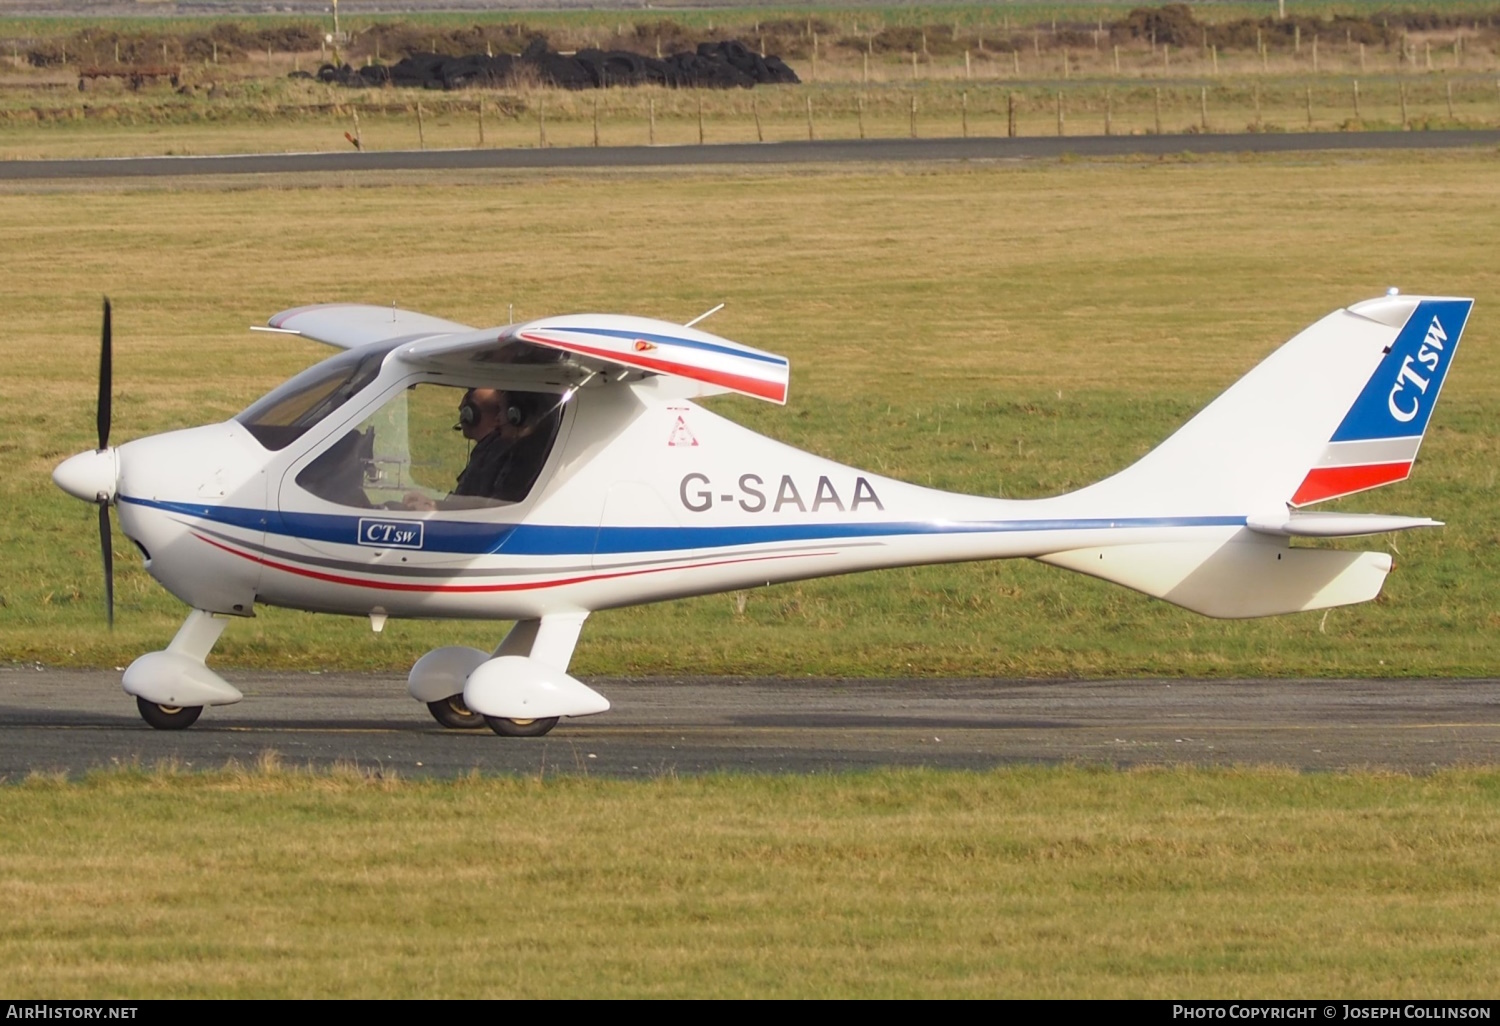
[109,563]
[106,373]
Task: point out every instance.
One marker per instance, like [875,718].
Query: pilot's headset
[469,412]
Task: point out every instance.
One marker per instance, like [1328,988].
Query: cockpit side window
[282,416]
[435,446]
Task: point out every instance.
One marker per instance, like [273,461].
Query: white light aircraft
[596,481]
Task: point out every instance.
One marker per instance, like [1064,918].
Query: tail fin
[1340,408]
[1377,441]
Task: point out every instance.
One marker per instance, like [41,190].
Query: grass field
[1019,883]
[873,72]
[303,117]
[1016,330]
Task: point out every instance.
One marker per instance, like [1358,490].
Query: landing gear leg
[550,640]
[172,687]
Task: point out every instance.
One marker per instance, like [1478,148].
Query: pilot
[497,423]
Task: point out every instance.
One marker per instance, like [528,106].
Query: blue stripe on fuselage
[462,538]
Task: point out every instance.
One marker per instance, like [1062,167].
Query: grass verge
[1024,882]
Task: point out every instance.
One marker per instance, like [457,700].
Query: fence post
[481,121]
[1108,112]
[596,119]
[1450,99]
[541,124]
[700,117]
[1356,100]
[1158,111]
[1404,122]
[1010,115]
[861,107]
[651,121]
[421,130]
[1309,106]
[810,135]
[964,110]
[1203,107]
[755,110]
[913,115]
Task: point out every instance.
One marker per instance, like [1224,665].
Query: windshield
[281,416]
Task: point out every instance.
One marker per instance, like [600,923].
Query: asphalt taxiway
[822,151]
[72,721]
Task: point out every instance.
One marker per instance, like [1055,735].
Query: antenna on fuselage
[704,316]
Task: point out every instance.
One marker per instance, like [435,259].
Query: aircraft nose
[91,476]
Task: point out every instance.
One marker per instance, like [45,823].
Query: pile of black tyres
[723,65]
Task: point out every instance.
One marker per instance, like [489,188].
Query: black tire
[168,717]
[520,728]
[453,714]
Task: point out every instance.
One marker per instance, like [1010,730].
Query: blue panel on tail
[1399,398]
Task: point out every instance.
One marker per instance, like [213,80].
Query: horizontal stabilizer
[1235,579]
[1333,525]
[348,325]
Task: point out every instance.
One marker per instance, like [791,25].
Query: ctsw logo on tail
[1377,441]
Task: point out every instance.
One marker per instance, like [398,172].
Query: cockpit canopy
[284,414]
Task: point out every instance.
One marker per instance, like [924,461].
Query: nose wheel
[168,717]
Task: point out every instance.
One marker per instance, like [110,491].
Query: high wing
[687,362]
[350,325]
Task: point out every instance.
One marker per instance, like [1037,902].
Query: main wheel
[520,728]
[168,717]
[453,714]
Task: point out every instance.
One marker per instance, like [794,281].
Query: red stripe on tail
[1331,482]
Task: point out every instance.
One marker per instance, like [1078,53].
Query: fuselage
[641,498]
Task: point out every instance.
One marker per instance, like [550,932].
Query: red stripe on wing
[772,390]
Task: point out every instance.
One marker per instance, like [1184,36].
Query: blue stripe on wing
[671,340]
